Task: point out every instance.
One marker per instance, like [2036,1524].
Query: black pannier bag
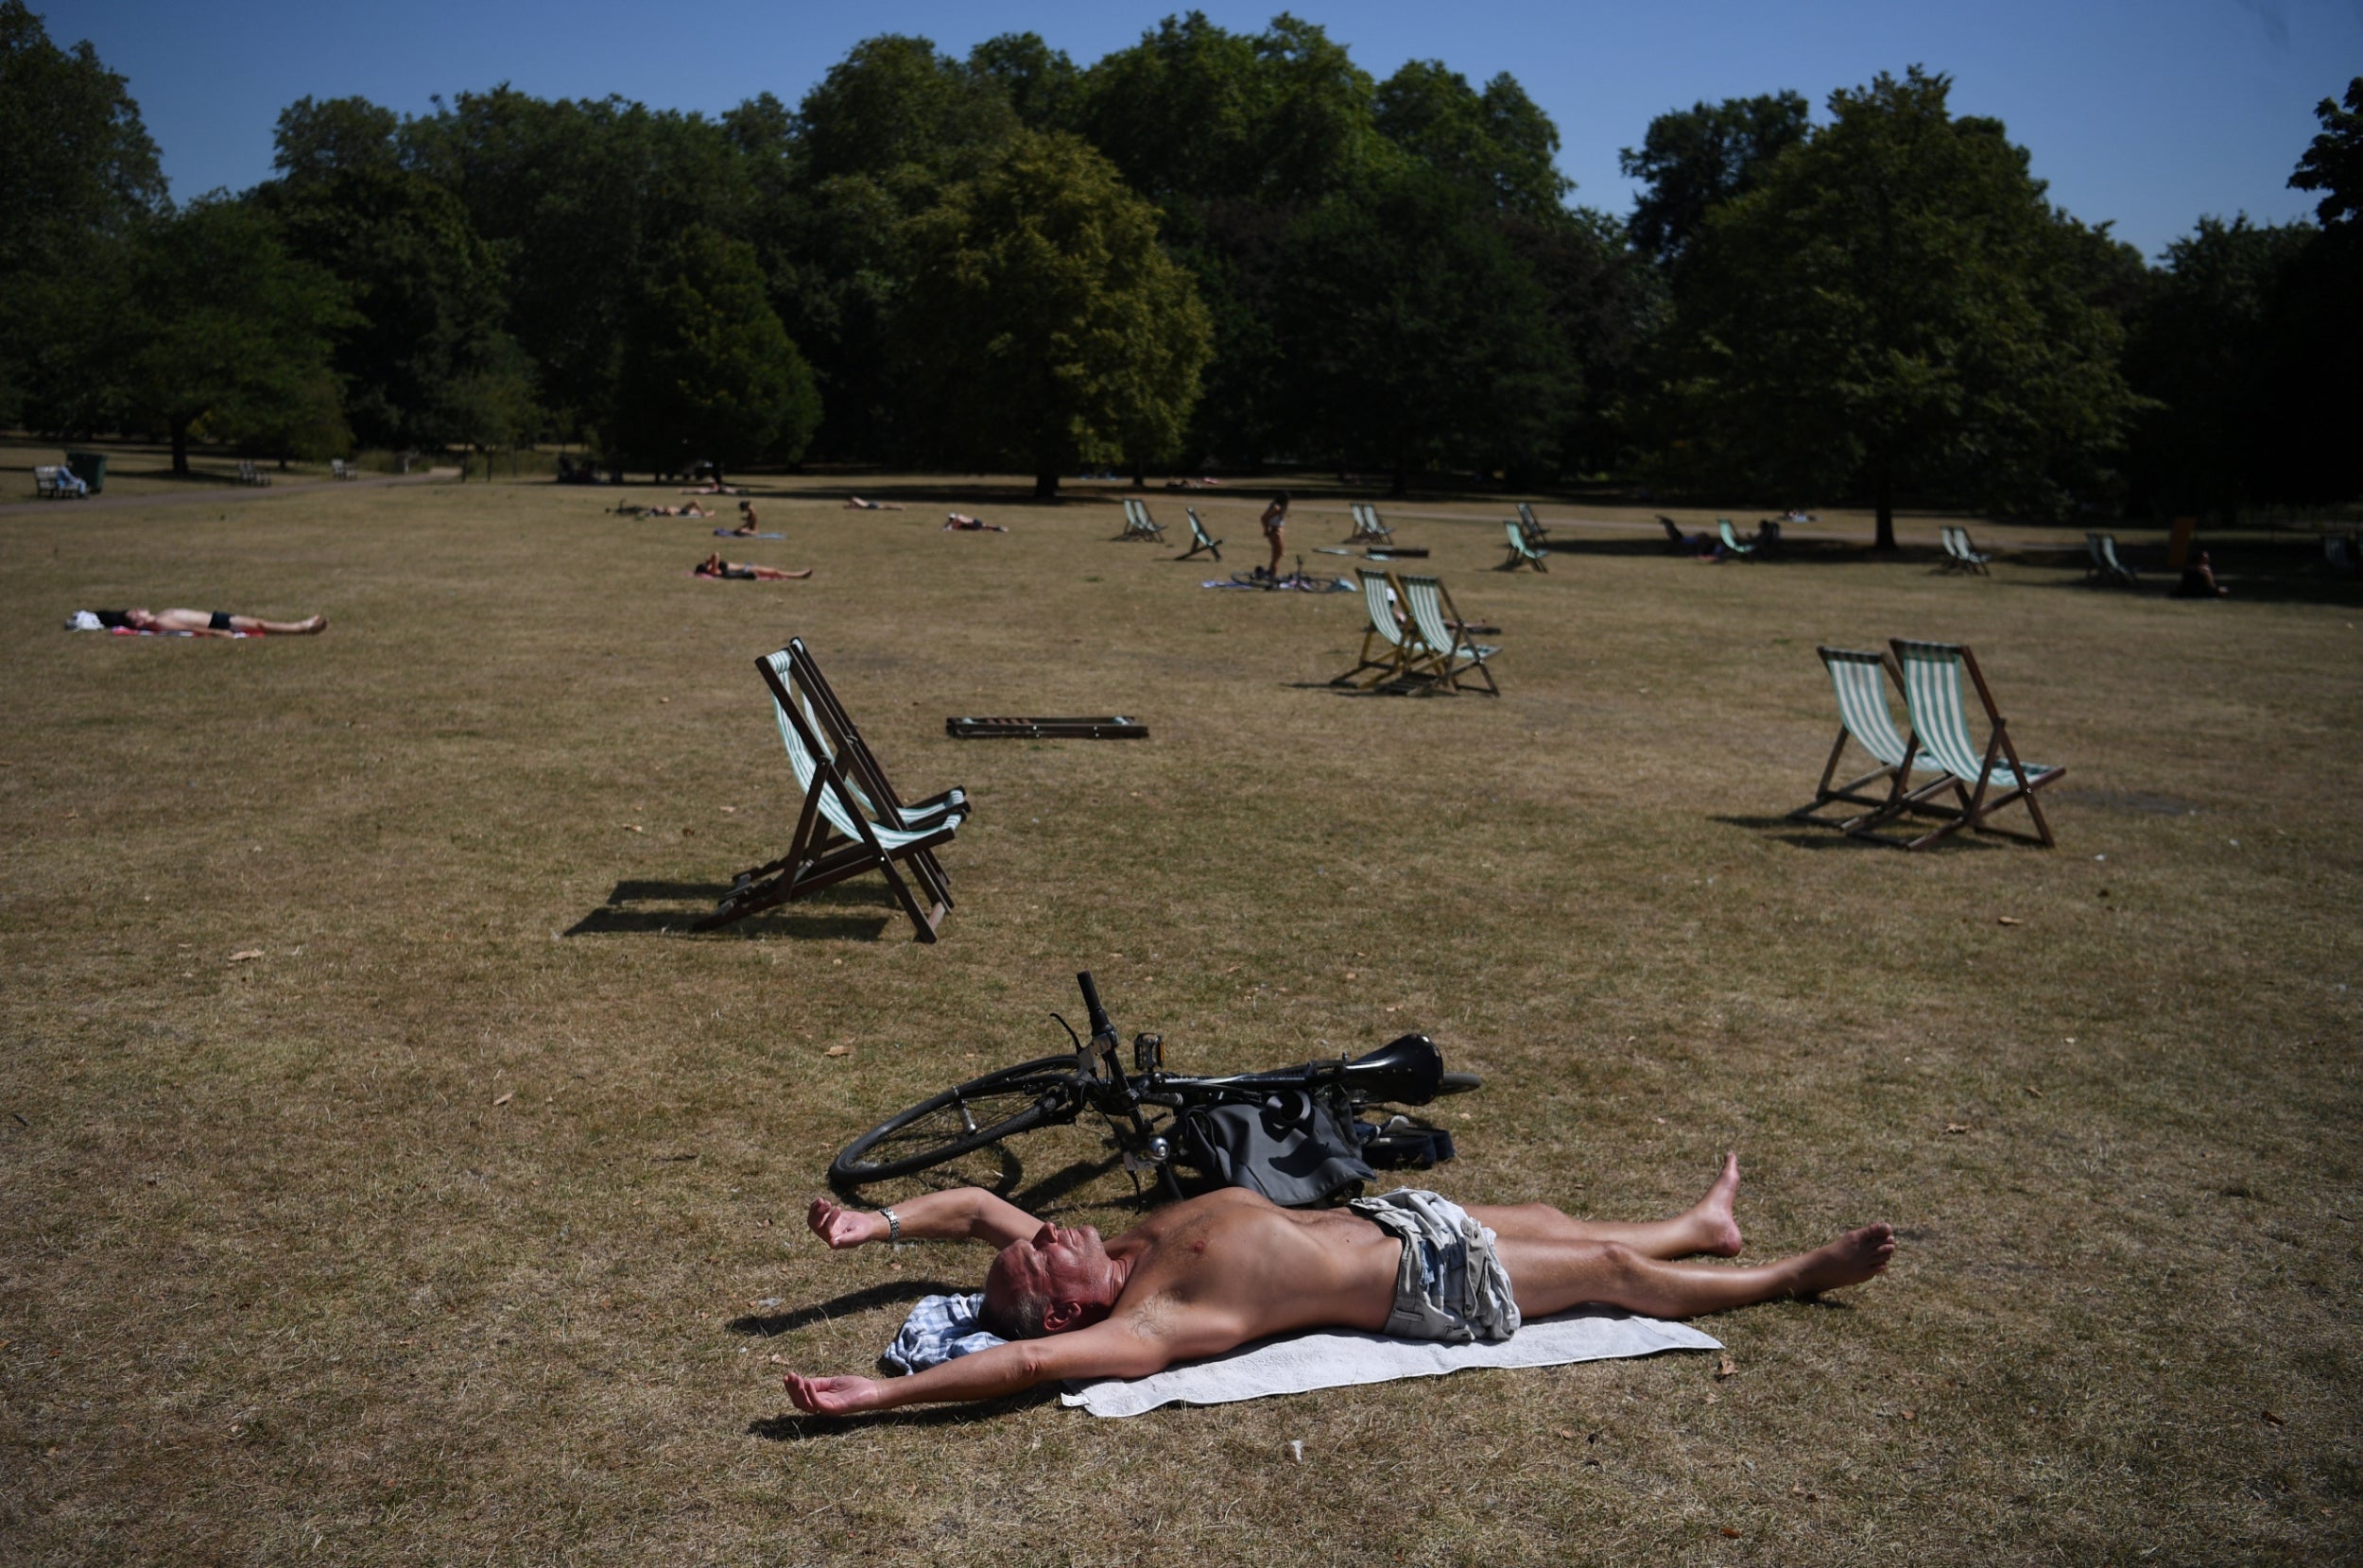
[1296,1149]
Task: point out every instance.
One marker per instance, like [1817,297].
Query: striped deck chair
[1959,554]
[1368,530]
[865,773]
[1386,649]
[1985,779]
[1733,545]
[1200,542]
[2104,570]
[1864,717]
[1447,650]
[1138,524]
[1522,550]
[1537,533]
[837,836]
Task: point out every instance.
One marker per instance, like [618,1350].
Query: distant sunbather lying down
[857,504]
[972,524]
[714,566]
[203,623]
[1209,1274]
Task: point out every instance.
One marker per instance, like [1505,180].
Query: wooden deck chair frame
[1521,549]
[1138,524]
[1434,619]
[1984,781]
[1202,543]
[1389,651]
[834,836]
[1860,681]
[873,792]
[1538,532]
[870,774]
[1368,530]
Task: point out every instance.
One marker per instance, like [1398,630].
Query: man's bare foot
[1712,1216]
[1850,1259]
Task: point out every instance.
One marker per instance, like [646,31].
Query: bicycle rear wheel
[961,1120]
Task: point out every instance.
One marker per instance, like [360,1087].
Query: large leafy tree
[1497,141]
[1694,160]
[219,326]
[77,174]
[708,371]
[429,331]
[1896,305]
[1414,335]
[1045,324]
[2333,165]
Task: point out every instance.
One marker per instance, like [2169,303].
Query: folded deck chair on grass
[1368,530]
[2104,570]
[1521,549]
[1388,652]
[1442,645]
[1983,780]
[1138,524]
[1864,717]
[1733,545]
[837,833]
[1200,541]
[1537,533]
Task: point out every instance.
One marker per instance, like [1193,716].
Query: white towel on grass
[1334,1358]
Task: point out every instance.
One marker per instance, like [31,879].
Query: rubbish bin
[89,467]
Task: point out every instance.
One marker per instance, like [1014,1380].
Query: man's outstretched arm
[1110,1349]
[963,1214]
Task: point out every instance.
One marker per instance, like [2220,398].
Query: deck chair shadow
[1389,653]
[1959,554]
[1983,780]
[836,835]
[1368,530]
[1138,524]
[1864,717]
[1442,642]
[1521,549]
[1200,543]
[2104,570]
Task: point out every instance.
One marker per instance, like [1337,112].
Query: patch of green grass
[437,1232]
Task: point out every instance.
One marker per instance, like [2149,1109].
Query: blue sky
[2147,112]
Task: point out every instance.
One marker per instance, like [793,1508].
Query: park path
[214,495]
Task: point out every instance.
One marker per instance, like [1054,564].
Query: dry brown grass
[435,1234]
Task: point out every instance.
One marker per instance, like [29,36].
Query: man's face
[1057,1263]
[140,620]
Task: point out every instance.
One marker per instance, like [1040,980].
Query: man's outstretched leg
[1707,1225]
[1551,1276]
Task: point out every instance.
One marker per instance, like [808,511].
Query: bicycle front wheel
[960,1121]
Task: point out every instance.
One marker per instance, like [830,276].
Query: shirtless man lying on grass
[1209,1274]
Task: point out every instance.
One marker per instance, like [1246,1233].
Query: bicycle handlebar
[1100,1026]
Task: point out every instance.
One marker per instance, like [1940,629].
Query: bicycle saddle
[1407,1070]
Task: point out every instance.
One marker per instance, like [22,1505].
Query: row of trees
[1211,246]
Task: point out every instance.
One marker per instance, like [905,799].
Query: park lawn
[385,1175]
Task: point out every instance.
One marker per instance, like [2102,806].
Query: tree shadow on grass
[624,913]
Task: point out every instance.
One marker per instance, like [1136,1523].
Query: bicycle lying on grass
[1157,1120]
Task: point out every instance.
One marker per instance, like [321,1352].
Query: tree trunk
[180,447]
[1882,498]
[1046,484]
